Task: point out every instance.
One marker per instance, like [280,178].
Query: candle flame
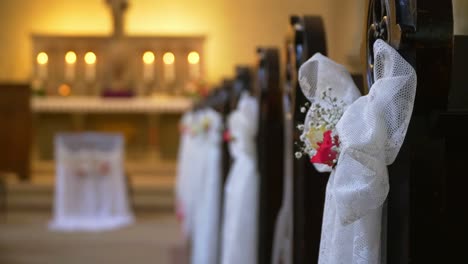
[193,57]
[148,57]
[70,57]
[168,58]
[42,58]
[90,58]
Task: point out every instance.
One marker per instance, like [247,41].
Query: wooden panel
[169,136]
[418,221]
[270,150]
[459,89]
[15,132]
[309,184]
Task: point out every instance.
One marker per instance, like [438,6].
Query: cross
[118,8]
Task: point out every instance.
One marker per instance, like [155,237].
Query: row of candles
[148,58]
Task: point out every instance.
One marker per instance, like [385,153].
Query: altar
[149,124]
[135,85]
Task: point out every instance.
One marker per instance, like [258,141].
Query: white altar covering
[90,188]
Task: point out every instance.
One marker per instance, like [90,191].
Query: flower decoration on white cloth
[371,131]
[196,127]
[328,99]
[319,137]
[227,136]
[104,168]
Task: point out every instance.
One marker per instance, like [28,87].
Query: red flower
[104,168]
[179,212]
[325,154]
[227,135]
[183,129]
[80,172]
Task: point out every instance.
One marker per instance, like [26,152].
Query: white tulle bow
[371,132]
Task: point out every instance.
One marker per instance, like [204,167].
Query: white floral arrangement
[319,139]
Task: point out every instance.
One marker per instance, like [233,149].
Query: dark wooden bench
[270,149]
[424,218]
[309,185]
[15,132]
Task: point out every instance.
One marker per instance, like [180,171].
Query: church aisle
[25,239]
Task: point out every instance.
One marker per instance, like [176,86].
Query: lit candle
[90,70]
[148,66]
[42,60]
[70,61]
[169,67]
[193,59]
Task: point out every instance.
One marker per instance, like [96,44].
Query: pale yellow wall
[20,18]
[460,15]
[233,28]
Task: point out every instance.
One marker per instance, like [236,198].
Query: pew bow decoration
[196,127]
[369,134]
[328,98]
[319,137]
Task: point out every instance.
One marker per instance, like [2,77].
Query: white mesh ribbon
[243,126]
[206,190]
[320,73]
[239,236]
[372,131]
[184,167]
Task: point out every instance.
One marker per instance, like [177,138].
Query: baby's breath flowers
[319,139]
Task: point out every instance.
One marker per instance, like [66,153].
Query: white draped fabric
[90,189]
[283,240]
[371,132]
[194,166]
[241,189]
[206,189]
[185,170]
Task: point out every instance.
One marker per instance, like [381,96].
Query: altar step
[149,193]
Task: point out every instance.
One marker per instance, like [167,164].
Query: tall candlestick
[193,59]
[90,69]
[148,66]
[169,67]
[70,60]
[42,60]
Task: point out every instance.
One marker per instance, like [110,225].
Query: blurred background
[130,67]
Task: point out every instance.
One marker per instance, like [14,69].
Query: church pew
[224,108]
[423,207]
[309,185]
[15,134]
[269,149]
[242,83]
[456,119]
